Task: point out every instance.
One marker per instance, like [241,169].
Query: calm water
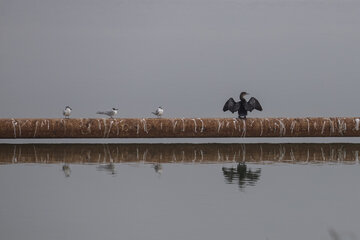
[180,191]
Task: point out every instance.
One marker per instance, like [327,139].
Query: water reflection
[109,168]
[66,169]
[335,235]
[242,174]
[158,168]
[167,153]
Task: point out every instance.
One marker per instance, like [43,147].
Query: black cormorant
[243,106]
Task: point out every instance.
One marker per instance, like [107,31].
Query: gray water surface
[183,199]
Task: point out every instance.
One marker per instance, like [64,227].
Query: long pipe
[179,127]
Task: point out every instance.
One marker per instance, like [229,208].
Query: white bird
[111,113]
[159,112]
[67,111]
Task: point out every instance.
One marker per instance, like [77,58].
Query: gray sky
[299,58]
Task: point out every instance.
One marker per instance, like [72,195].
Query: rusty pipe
[179,127]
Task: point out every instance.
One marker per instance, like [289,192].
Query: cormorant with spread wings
[243,106]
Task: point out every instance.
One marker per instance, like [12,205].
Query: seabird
[243,106]
[111,113]
[159,112]
[67,112]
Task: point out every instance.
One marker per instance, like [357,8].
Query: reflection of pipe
[161,153]
[179,127]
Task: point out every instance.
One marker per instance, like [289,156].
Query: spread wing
[252,104]
[231,105]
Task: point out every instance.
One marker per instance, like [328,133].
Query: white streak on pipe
[202,125]
[104,120]
[282,128]
[14,123]
[64,123]
[308,125]
[262,128]
[275,125]
[219,125]
[111,123]
[81,125]
[357,124]
[89,127]
[20,130]
[137,129]
[145,126]
[341,126]
[323,127]
[332,127]
[244,128]
[234,121]
[183,124]
[266,119]
[117,127]
[174,126]
[36,127]
[292,126]
[194,124]
[43,123]
[251,123]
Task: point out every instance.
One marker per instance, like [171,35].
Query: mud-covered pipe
[179,127]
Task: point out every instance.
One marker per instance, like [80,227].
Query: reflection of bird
[243,106]
[66,169]
[110,167]
[67,112]
[244,175]
[111,113]
[157,167]
[159,112]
